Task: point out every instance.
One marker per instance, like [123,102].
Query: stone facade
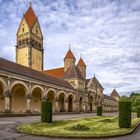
[23,87]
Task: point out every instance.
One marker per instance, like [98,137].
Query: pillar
[76,106]
[56,104]
[7,106]
[29,96]
[66,105]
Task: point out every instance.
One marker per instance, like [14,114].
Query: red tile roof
[15,68]
[81,62]
[30,17]
[114,93]
[69,55]
[58,72]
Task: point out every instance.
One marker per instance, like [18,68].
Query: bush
[79,127]
[124,114]
[138,112]
[46,111]
[99,110]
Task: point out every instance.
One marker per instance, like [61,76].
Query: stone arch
[51,89]
[70,102]
[40,88]
[61,101]
[20,83]
[18,99]
[51,94]
[36,99]
[2,97]
[3,83]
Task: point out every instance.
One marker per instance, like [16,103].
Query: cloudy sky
[105,32]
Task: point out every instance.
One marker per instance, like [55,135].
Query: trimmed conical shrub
[138,112]
[46,111]
[99,110]
[124,114]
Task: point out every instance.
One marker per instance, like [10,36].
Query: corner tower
[29,47]
[69,60]
[82,67]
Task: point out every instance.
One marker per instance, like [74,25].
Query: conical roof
[114,93]
[81,62]
[69,55]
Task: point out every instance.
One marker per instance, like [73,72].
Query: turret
[115,94]
[82,67]
[69,60]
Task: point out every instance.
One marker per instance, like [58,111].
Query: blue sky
[105,32]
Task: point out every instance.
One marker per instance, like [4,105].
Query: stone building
[24,84]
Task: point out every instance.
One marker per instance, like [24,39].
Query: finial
[30,3]
[94,74]
[69,46]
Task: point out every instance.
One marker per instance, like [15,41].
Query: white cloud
[105,32]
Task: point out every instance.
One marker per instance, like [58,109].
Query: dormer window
[23,30]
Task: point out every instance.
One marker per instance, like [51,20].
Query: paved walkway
[8,125]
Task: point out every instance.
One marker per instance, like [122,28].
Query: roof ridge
[54,69]
[28,72]
[98,82]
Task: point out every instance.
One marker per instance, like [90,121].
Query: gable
[36,29]
[90,84]
[23,27]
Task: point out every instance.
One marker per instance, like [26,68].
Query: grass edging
[81,137]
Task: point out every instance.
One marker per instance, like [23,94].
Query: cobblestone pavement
[8,125]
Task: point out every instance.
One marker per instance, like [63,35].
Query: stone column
[7,107]
[76,106]
[29,97]
[56,103]
[66,105]
[84,107]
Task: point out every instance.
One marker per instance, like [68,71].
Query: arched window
[19,42]
[27,41]
[36,31]
[23,30]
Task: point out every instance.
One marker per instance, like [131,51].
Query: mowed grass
[99,127]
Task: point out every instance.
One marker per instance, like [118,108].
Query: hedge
[138,112]
[99,110]
[46,111]
[124,114]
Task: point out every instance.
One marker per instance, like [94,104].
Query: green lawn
[97,127]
